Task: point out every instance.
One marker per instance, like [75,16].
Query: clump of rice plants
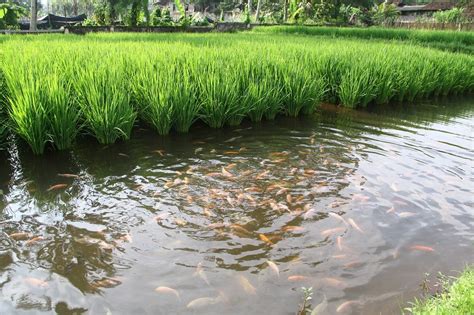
[186,99]
[302,89]
[104,98]
[154,93]
[63,114]
[261,95]
[220,95]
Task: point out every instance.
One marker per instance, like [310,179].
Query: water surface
[202,213]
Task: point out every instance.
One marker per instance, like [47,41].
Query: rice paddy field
[57,87]
[261,172]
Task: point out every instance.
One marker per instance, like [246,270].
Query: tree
[257,13]
[34,15]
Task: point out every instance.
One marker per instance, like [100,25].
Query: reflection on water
[356,204]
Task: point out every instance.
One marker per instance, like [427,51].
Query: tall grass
[4,126]
[104,82]
[455,41]
[103,95]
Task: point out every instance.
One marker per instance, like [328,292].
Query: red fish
[57,187]
[422,248]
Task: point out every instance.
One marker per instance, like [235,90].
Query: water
[162,211]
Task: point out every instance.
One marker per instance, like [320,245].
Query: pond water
[358,205]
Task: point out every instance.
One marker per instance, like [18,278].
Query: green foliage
[41,105]
[455,15]
[385,14]
[156,16]
[9,14]
[246,15]
[445,40]
[4,126]
[104,98]
[104,81]
[457,298]
[133,16]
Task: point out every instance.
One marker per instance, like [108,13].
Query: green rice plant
[261,95]
[155,91]
[302,91]
[104,98]
[63,112]
[27,109]
[357,87]
[4,126]
[219,95]
[455,41]
[187,105]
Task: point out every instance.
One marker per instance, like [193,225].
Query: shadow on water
[335,200]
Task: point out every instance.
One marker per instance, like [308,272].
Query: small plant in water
[305,307]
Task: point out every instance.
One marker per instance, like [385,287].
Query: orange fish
[241,229]
[339,256]
[262,175]
[106,283]
[246,285]
[167,290]
[35,282]
[162,216]
[231,152]
[334,282]
[34,240]
[20,236]
[297,278]
[339,242]
[360,197]
[213,174]
[68,175]
[160,152]
[332,231]
[354,225]
[344,306]
[265,239]
[293,228]
[226,173]
[274,267]
[57,187]
[338,217]
[422,248]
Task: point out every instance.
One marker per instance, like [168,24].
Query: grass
[4,129]
[454,41]
[102,83]
[457,299]
[103,95]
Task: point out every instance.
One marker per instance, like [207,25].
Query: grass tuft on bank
[458,298]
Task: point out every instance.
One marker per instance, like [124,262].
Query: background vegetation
[457,298]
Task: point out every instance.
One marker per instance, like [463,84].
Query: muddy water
[360,206]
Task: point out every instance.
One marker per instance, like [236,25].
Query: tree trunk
[285,10]
[74,7]
[250,7]
[34,15]
[257,13]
